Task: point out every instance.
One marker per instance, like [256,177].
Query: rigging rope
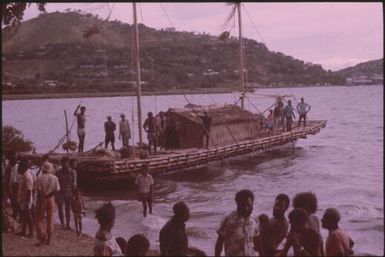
[164,10]
[247,12]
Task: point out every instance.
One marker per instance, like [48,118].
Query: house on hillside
[230,124]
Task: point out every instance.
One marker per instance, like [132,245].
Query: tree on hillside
[12,13]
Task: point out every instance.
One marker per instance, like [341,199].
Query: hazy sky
[335,35]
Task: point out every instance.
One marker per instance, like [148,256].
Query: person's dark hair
[64,159]
[144,167]
[193,251]
[122,244]
[285,198]
[244,194]
[24,164]
[179,207]
[307,201]
[45,157]
[298,216]
[82,108]
[12,160]
[333,214]
[105,214]
[137,245]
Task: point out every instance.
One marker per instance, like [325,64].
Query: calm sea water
[343,164]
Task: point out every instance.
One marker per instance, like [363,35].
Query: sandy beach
[64,243]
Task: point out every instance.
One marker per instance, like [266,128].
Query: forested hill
[368,69]
[75,51]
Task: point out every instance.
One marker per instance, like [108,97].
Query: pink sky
[335,35]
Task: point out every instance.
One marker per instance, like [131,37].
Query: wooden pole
[137,62]
[65,115]
[242,75]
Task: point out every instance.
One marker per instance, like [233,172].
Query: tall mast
[137,62]
[242,74]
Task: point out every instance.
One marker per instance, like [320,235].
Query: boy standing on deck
[144,183]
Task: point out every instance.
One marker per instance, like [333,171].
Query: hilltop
[370,72]
[50,54]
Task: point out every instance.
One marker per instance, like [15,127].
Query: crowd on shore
[33,198]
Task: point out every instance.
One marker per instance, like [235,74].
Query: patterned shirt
[238,233]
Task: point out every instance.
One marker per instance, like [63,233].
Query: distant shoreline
[6,97]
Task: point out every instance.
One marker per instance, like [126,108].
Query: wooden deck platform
[93,168]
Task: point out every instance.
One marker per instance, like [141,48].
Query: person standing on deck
[206,124]
[81,119]
[173,240]
[278,116]
[144,185]
[269,122]
[152,129]
[109,128]
[338,242]
[124,130]
[161,122]
[239,230]
[289,114]
[302,108]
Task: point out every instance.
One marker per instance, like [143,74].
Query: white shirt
[144,183]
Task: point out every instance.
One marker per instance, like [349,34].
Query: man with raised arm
[81,120]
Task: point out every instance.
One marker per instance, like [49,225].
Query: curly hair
[137,245]
[105,214]
[307,201]
[244,194]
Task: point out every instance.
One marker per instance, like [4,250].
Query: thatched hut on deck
[230,124]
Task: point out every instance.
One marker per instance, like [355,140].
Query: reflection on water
[343,164]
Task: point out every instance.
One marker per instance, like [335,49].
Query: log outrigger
[234,132]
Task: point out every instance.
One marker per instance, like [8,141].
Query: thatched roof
[219,114]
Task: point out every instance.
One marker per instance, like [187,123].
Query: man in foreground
[238,231]
[173,239]
[109,128]
[304,240]
[277,227]
[46,185]
[338,242]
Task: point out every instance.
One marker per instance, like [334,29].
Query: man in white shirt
[302,108]
[144,183]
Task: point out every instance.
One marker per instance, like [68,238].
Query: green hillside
[50,54]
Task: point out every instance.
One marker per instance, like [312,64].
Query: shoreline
[7,97]
[63,243]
